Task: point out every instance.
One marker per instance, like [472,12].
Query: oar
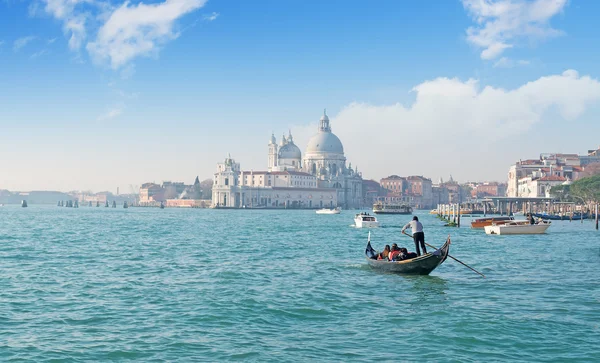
[449,255]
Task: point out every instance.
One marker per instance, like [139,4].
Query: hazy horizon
[100,95]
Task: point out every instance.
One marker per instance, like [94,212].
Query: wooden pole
[484,208]
[596,216]
[458,224]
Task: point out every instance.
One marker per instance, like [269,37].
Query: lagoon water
[97,284]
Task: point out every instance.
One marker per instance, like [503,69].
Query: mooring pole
[458,224]
[596,216]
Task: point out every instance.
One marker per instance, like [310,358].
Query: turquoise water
[93,284]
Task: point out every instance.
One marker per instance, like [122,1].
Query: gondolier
[417,233]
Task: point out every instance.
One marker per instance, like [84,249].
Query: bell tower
[272,152]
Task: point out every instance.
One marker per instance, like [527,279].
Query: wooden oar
[452,257]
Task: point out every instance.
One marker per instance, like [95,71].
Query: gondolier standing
[417,233]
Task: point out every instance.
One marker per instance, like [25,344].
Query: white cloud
[211,17]
[112,113]
[458,127]
[21,42]
[138,30]
[73,18]
[505,62]
[118,33]
[501,23]
[51,41]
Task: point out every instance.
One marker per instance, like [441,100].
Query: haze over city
[98,95]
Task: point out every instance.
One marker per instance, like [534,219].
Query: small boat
[162,205]
[97,203]
[422,265]
[114,205]
[518,227]
[482,222]
[106,204]
[329,211]
[365,220]
[125,205]
[381,208]
[24,203]
[561,217]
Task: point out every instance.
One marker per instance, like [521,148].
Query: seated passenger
[394,252]
[407,255]
[385,254]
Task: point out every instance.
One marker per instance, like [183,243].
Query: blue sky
[104,94]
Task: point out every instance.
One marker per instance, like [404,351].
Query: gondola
[422,265]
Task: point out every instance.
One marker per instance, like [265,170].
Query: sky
[99,95]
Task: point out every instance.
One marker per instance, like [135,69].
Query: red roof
[553,178]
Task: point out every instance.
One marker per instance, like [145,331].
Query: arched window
[334,170]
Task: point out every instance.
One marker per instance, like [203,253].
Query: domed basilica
[319,180]
[324,158]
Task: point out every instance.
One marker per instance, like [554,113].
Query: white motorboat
[518,227]
[365,220]
[329,211]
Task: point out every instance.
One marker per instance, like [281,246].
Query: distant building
[568,166]
[234,188]
[488,189]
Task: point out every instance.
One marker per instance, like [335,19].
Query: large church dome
[324,141]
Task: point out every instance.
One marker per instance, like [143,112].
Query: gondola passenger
[394,252]
[385,254]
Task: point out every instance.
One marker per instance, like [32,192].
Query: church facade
[319,179]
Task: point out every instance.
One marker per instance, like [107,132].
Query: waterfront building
[234,188]
[488,189]
[319,179]
[568,166]
[539,186]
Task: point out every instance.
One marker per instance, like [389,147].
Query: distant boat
[106,205]
[381,208]
[114,204]
[329,211]
[518,227]
[76,205]
[58,204]
[482,222]
[162,205]
[97,203]
[125,205]
[364,220]
[24,203]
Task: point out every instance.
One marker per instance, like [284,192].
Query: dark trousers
[419,237]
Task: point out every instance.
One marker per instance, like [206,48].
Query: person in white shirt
[417,233]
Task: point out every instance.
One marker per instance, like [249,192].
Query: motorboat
[421,265]
[365,220]
[329,211]
[518,227]
[480,223]
[381,208]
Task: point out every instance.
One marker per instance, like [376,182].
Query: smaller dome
[290,151]
[324,117]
